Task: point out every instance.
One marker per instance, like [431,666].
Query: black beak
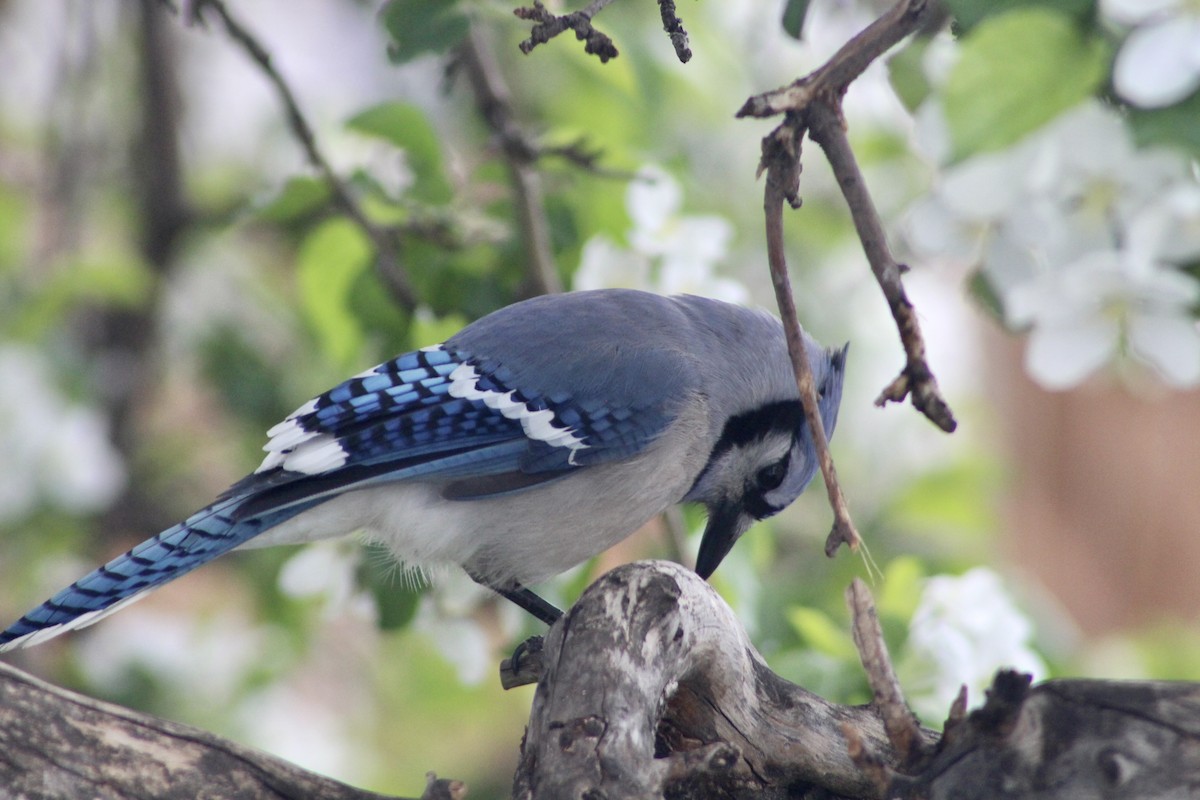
[726,524]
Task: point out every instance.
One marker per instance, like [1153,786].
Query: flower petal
[1156,66]
[652,199]
[604,265]
[1135,12]
[1060,356]
[933,230]
[1170,343]
[985,187]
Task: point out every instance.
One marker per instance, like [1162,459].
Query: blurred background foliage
[175,277]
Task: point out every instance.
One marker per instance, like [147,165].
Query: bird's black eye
[771,476]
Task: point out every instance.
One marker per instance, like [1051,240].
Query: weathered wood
[651,665]
[649,688]
[58,745]
[1069,740]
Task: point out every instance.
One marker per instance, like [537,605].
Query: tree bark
[649,688]
[58,745]
[652,688]
[1069,740]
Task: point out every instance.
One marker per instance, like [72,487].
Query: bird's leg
[525,598]
[531,602]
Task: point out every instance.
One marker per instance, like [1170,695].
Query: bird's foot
[524,666]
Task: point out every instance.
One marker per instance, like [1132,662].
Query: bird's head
[763,459]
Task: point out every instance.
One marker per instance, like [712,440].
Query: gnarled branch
[58,745]
[650,686]
[1066,739]
[547,26]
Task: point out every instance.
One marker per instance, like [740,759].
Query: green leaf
[428,329]
[1018,71]
[396,598]
[900,590]
[821,633]
[969,13]
[385,324]
[15,213]
[954,498]
[980,288]
[120,281]
[331,259]
[1175,126]
[793,17]
[407,127]
[422,26]
[907,75]
[247,381]
[298,198]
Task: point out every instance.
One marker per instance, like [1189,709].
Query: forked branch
[812,104]
[547,25]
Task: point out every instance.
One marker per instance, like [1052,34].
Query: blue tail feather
[202,537]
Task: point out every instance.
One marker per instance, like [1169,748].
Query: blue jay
[532,440]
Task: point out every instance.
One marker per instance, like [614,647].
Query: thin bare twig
[548,25]
[387,250]
[903,730]
[673,25]
[781,161]
[850,61]
[825,128]
[955,727]
[495,104]
[813,104]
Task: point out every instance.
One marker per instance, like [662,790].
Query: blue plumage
[174,552]
[404,408]
[531,440]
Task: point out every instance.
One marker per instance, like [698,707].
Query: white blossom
[305,727]
[447,615]
[55,451]
[1081,236]
[327,571]
[1081,312]
[669,252]
[965,628]
[1159,62]
[205,660]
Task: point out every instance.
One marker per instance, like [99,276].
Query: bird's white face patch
[538,425]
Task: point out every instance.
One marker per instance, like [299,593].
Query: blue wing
[442,414]
[438,414]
